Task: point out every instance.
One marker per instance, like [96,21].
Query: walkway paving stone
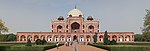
[88,48]
[62,48]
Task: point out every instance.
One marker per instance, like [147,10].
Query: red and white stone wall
[81,37]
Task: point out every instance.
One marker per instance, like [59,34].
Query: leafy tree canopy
[146,29]
[9,37]
[3,28]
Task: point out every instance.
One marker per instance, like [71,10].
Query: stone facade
[75,27]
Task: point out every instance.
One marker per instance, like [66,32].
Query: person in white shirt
[57,45]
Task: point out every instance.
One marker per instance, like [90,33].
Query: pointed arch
[29,37]
[114,37]
[101,38]
[59,28]
[88,38]
[68,37]
[127,38]
[62,38]
[81,38]
[91,28]
[49,38]
[120,38]
[36,37]
[75,27]
[56,38]
[42,37]
[22,38]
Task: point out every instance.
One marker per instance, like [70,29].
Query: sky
[36,15]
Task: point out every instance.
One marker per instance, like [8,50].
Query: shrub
[88,43]
[95,38]
[112,42]
[38,42]
[29,43]
[122,47]
[13,47]
[43,41]
[4,48]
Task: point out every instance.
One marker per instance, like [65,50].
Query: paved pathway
[79,48]
[88,48]
[62,48]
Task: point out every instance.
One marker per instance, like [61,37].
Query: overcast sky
[36,15]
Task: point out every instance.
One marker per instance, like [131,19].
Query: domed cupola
[75,13]
[60,18]
[89,18]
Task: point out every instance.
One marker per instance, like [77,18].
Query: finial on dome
[75,6]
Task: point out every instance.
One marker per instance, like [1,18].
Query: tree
[2,28]
[29,42]
[106,41]
[95,38]
[146,29]
[1,37]
[11,37]
[8,37]
[139,38]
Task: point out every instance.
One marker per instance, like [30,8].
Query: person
[66,43]
[57,45]
[71,43]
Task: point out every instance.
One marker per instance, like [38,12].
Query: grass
[22,47]
[117,47]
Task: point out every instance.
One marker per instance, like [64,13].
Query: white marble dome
[75,12]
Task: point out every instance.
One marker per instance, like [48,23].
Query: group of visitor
[67,43]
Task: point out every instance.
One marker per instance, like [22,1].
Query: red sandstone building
[75,27]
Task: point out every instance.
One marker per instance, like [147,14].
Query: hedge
[122,47]
[52,46]
[135,43]
[26,48]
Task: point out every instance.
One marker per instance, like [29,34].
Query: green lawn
[123,47]
[22,47]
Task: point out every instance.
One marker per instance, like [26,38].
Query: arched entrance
[75,27]
[120,38]
[101,38]
[114,37]
[68,38]
[88,38]
[59,28]
[36,37]
[127,38]
[81,38]
[49,38]
[23,38]
[91,28]
[75,37]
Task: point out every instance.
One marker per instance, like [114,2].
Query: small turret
[89,18]
[60,18]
